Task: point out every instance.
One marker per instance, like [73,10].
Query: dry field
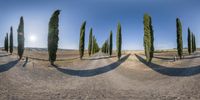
[99,77]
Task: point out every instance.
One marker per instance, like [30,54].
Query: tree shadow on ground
[98,58]
[181,72]
[25,62]
[93,72]
[7,66]
[163,58]
[171,58]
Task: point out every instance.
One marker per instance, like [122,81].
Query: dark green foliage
[6,43]
[105,47]
[148,38]
[90,43]
[95,46]
[20,38]
[152,39]
[93,49]
[110,43]
[119,40]
[193,43]
[11,40]
[189,41]
[179,38]
[82,40]
[53,38]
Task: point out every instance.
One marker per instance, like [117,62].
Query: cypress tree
[6,42]
[53,38]
[179,38]
[90,43]
[96,47]
[82,40]
[152,39]
[148,38]
[195,43]
[11,40]
[106,47]
[189,41]
[192,36]
[110,43]
[119,40]
[93,44]
[20,38]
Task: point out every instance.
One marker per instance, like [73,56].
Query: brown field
[99,77]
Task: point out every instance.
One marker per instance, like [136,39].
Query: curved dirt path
[94,78]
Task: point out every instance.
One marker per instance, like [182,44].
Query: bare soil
[101,77]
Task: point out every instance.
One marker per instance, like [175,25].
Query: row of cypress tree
[191,42]
[8,45]
[105,47]
[93,46]
[149,39]
[53,39]
[108,45]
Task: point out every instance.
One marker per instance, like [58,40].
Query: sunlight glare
[32,38]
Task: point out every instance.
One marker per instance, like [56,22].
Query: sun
[32,38]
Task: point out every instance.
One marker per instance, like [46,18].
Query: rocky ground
[101,78]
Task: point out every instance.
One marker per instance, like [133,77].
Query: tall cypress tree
[195,43]
[148,38]
[106,47]
[6,42]
[20,38]
[95,47]
[119,40]
[110,43]
[93,39]
[192,36]
[189,41]
[53,36]
[82,40]
[90,43]
[152,39]
[179,38]
[11,40]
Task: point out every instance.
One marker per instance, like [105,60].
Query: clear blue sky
[102,16]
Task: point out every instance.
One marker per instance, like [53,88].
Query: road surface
[98,78]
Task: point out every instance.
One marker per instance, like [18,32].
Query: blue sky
[102,16]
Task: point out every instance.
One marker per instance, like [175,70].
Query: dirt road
[100,77]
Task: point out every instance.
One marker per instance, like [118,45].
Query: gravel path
[99,79]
